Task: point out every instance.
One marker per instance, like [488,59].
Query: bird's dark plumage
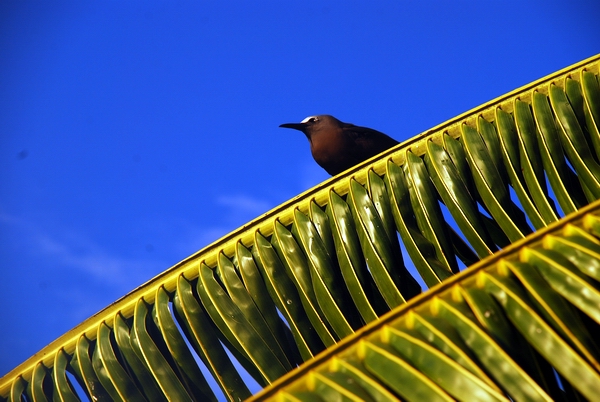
[337,146]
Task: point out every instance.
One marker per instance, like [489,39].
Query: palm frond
[520,324]
[315,270]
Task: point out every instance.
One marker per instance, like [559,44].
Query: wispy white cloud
[8,219]
[237,209]
[88,257]
[242,208]
[244,203]
[198,238]
[67,249]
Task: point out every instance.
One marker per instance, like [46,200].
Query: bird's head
[314,124]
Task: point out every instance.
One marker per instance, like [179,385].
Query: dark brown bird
[337,146]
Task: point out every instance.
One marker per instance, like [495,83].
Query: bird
[337,146]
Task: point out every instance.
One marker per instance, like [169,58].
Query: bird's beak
[295,126]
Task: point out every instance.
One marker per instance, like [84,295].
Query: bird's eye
[310,119]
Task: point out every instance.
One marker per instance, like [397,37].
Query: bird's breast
[330,152]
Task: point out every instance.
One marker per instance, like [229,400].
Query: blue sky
[134,133]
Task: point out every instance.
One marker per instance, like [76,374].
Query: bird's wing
[356,132]
[365,134]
